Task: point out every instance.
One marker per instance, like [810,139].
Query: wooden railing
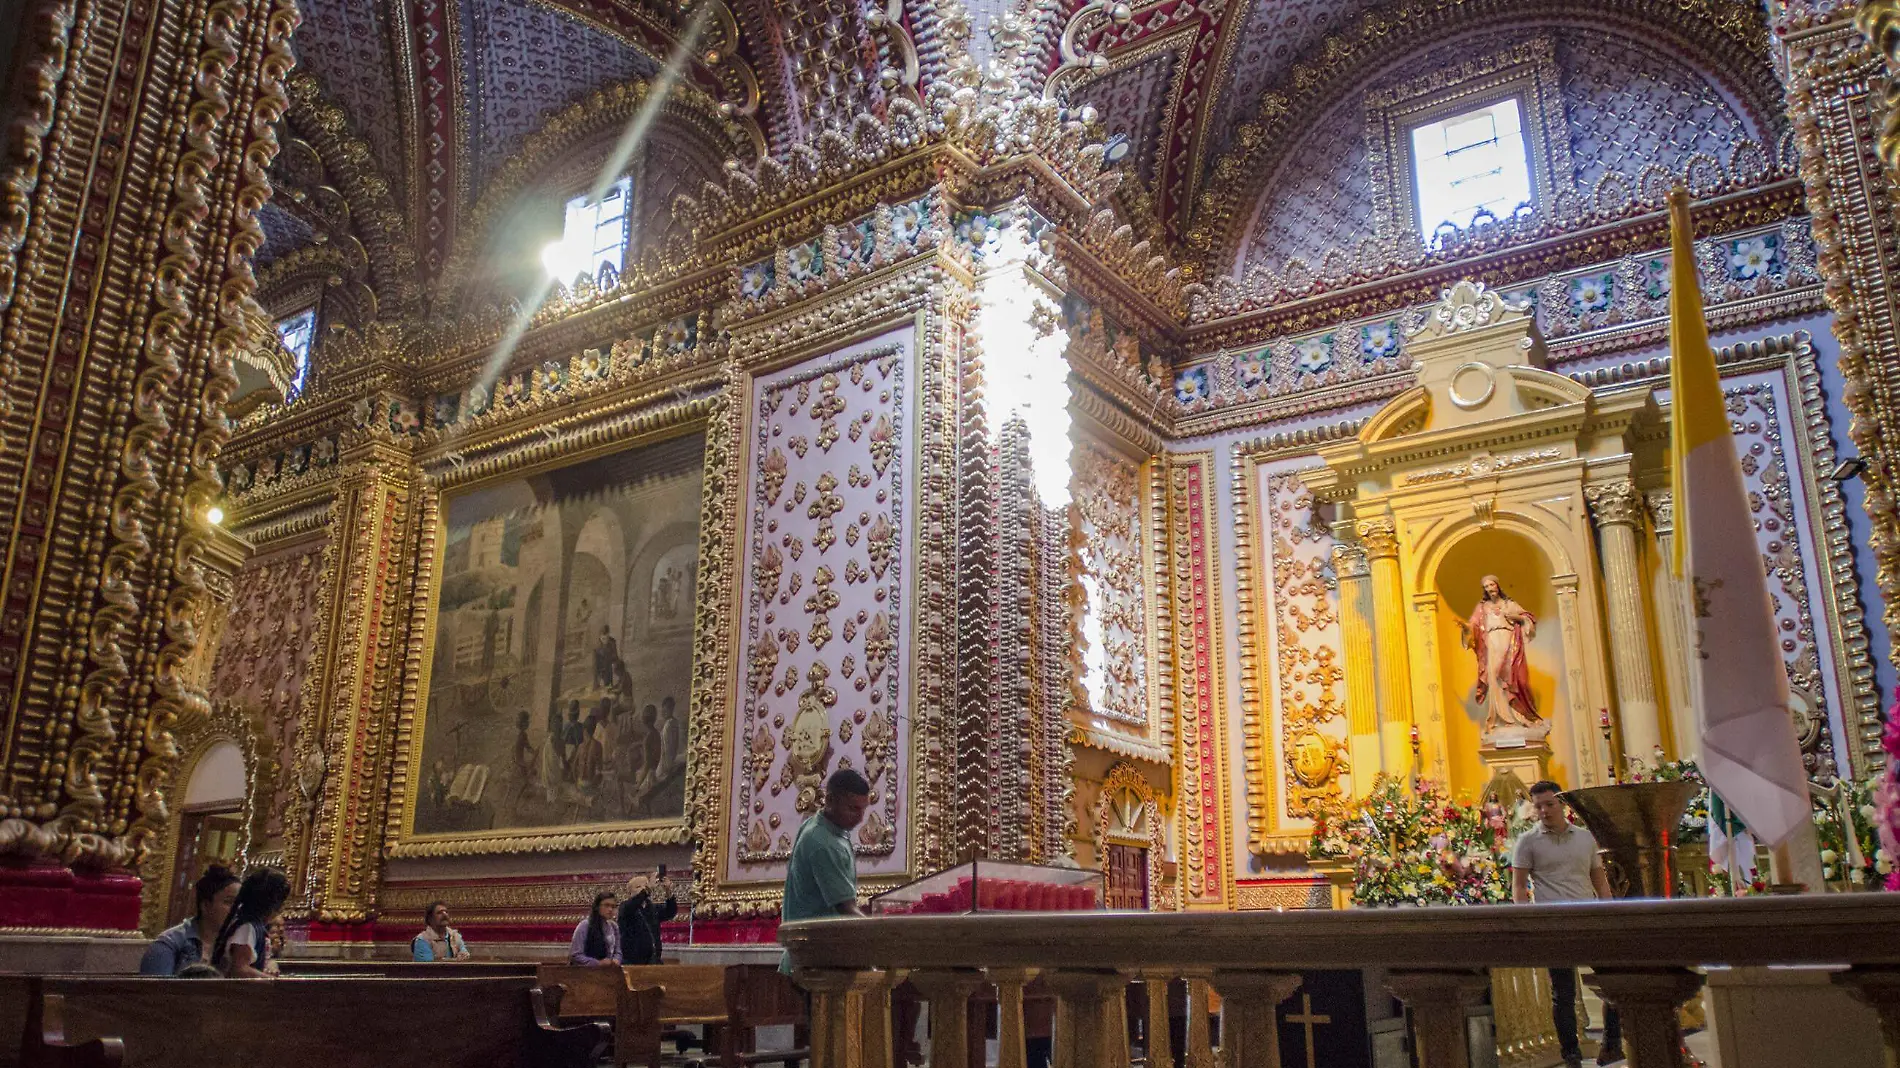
[1644,957]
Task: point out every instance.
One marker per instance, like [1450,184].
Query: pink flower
[1887,793]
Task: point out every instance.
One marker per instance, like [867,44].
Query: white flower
[1828,856]
[1869,812]
[1827,872]
[1856,876]
[1883,865]
[1750,258]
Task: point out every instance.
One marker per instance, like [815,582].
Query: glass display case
[995,886]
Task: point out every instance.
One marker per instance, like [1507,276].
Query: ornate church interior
[1204,466]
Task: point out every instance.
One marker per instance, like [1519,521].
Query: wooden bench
[731,1002]
[408,969]
[347,1022]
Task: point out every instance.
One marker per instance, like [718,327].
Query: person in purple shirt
[597,938]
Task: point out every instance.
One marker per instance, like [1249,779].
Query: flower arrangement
[1417,845]
[1887,794]
[1865,861]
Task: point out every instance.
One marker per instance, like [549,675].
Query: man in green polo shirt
[822,878]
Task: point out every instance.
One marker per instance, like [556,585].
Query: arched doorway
[210,822]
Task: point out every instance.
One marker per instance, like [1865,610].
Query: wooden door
[205,837]
[1127,876]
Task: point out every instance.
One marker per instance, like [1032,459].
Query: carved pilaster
[359,689]
[1394,659]
[1618,511]
[1839,93]
[135,165]
[1362,684]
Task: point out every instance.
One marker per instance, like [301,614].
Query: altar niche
[1522,621]
[1494,472]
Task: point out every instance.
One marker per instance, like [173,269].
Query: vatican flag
[1749,753]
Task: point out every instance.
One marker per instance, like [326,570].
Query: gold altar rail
[1644,955]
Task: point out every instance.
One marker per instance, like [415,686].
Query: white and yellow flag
[1749,753]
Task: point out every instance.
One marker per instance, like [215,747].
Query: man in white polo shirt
[1557,861]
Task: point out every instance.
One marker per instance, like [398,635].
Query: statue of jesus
[1497,631]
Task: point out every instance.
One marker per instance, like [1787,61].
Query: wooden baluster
[880,1047]
[1249,1016]
[1647,999]
[1091,1019]
[1159,1034]
[1438,1000]
[1010,1033]
[948,994]
[844,1008]
[1200,1040]
[1879,988]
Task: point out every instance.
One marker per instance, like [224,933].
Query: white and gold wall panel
[827,528]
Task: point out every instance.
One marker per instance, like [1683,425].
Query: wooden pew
[731,1002]
[408,969]
[758,995]
[349,1022]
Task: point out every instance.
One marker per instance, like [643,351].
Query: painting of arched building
[557,687]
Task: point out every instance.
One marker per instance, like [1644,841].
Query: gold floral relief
[824,602]
[1107,493]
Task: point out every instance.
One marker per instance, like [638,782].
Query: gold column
[1394,662]
[1618,513]
[1362,685]
[373,521]
[1672,629]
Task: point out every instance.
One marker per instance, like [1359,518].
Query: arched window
[297,333]
[593,236]
[1470,162]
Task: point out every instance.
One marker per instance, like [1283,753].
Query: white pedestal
[1789,1018]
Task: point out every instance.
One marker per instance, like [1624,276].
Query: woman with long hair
[597,938]
[182,946]
[243,945]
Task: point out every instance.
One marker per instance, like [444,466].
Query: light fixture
[214,515]
[1848,470]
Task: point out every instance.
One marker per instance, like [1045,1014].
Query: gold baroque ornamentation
[41,56]
[348,751]
[1127,807]
[1282,895]
[598,116]
[1834,77]
[224,723]
[1206,838]
[378,222]
[1109,528]
[1732,36]
[1614,503]
[596,434]
[1284,587]
[1117,382]
[188,353]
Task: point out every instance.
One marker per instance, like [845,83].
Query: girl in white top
[243,946]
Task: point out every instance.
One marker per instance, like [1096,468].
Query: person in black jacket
[640,918]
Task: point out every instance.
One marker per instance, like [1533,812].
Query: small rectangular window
[1470,162]
[593,235]
[297,333]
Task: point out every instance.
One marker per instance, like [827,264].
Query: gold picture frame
[452,474]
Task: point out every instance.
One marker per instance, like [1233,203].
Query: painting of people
[563,648]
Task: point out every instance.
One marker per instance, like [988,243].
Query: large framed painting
[559,656]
